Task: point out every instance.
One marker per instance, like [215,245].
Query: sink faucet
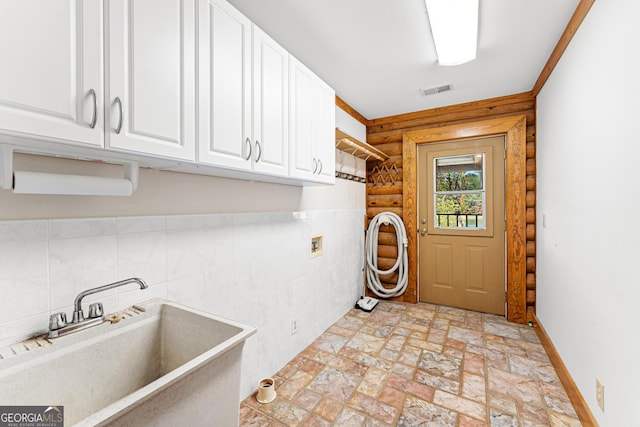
[78,314]
[58,325]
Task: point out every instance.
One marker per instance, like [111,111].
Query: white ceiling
[377,54]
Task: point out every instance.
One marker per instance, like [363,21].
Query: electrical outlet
[294,326]
[600,394]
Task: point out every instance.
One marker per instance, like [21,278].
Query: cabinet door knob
[94,118]
[119,127]
[248,141]
[258,150]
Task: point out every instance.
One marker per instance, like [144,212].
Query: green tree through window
[459,198]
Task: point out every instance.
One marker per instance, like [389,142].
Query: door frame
[515,130]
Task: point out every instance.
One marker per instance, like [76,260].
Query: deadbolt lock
[423,221]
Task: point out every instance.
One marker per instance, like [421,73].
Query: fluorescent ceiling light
[454,26]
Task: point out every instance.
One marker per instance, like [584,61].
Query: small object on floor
[366,304]
[266,391]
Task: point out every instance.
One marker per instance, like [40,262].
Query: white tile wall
[250,267]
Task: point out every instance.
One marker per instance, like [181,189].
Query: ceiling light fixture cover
[454,26]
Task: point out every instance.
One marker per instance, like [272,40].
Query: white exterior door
[50,77]
[270,105]
[151,77]
[224,86]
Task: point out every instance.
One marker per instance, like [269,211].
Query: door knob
[423,231]
[423,221]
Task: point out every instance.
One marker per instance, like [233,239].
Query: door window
[459,192]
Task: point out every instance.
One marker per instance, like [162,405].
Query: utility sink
[166,365]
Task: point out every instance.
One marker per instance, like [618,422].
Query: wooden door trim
[515,130]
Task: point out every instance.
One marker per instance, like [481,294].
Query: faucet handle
[57,321]
[95,310]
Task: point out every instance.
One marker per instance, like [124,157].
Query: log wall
[386,135]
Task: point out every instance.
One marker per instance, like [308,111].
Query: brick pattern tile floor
[417,365]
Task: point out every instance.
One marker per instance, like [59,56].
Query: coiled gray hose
[371,245]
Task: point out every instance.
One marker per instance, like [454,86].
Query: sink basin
[166,365]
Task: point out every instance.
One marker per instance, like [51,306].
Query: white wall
[588,240]
[252,266]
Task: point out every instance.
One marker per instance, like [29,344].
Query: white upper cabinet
[189,85]
[151,77]
[303,163]
[51,70]
[312,125]
[270,105]
[243,93]
[325,144]
[224,86]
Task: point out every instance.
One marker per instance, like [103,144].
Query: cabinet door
[151,77]
[325,133]
[312,125]
[270,105]
[301,140]
[50,77]
[224,86]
